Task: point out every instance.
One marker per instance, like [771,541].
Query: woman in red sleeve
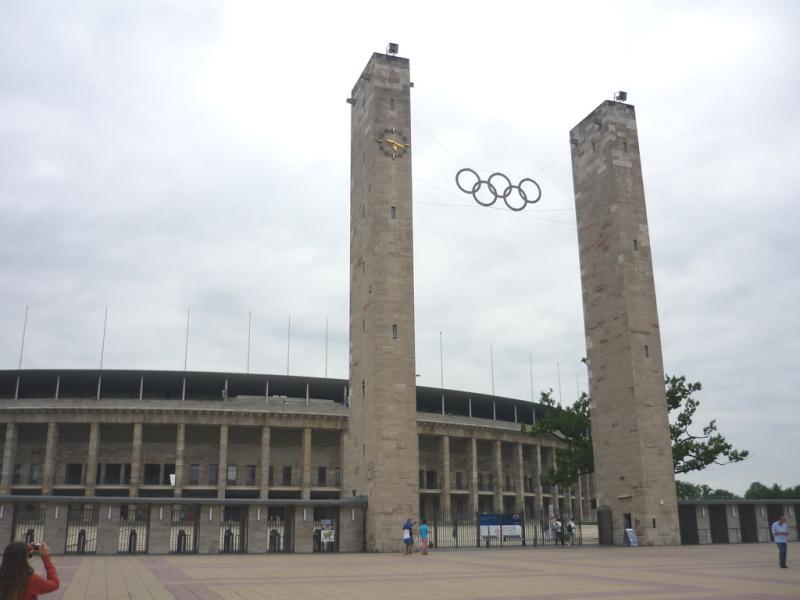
[17,579]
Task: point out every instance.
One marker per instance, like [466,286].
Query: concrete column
[539,499]
[445,486]
[343,458]
[257,529]
[580,497]
[351,529]
[91,459]
[791,520]
[498,476]
[49,470]
[520,477]
[208,525]
[6,521]
[306,463]
[108,529]
[9,454]
[568,501]
[158,534]
[222,467]
[555,491]
[473,468]
[304,529]
[180,450]
[264,465]
[55,527]
[136,460]
[703,524]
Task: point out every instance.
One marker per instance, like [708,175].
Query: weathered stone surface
[382,425]
[633,459]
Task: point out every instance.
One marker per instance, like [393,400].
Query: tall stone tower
[383,454]
[630,430]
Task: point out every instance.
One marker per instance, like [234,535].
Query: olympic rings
[498,192]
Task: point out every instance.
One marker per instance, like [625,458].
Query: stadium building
[215,462]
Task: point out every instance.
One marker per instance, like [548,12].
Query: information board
[631,535]
[495,526]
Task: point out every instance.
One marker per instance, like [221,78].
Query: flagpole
[530,366]
[103,344]
[21,351]
[441,360]
[249,327]
[186,347]
[558,370]
[491,362]
[288,343]
[22,344]
[326,347]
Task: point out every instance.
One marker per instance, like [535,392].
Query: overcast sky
[156,156]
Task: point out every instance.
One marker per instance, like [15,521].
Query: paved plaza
[736,572]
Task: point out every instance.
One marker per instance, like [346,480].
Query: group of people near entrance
[408,537]
[564,532]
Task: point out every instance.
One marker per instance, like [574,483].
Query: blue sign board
[495,526]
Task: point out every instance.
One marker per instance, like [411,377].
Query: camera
[36,546]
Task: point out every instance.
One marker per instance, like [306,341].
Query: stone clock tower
[382,454]
[630,433]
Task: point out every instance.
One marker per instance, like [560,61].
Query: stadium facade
[214,462]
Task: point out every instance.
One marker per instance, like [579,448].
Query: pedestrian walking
[408,536]
[17,579]
[780,531]
[424,537]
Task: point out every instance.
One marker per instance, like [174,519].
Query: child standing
[424,537]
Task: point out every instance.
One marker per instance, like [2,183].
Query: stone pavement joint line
[735,572]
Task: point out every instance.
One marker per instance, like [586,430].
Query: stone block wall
[159,530]
[55,527]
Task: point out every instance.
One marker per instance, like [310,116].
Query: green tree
[571,425]
[695,451]
[759,491]
[690,491]
[690,451]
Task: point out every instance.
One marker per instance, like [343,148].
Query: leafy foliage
[571,425]
[690,451]
[758,491]
[690,491]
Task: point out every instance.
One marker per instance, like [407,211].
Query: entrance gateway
[633,457]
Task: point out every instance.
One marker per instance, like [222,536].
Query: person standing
[17,579]
[557,532]
[424,537]
[408,536]
[571,532]
[780,531]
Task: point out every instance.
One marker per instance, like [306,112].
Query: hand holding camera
[39,548]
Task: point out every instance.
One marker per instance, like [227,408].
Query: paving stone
[735,572]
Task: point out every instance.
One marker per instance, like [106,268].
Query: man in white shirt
[780,531]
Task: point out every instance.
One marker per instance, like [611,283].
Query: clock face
[393,143]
